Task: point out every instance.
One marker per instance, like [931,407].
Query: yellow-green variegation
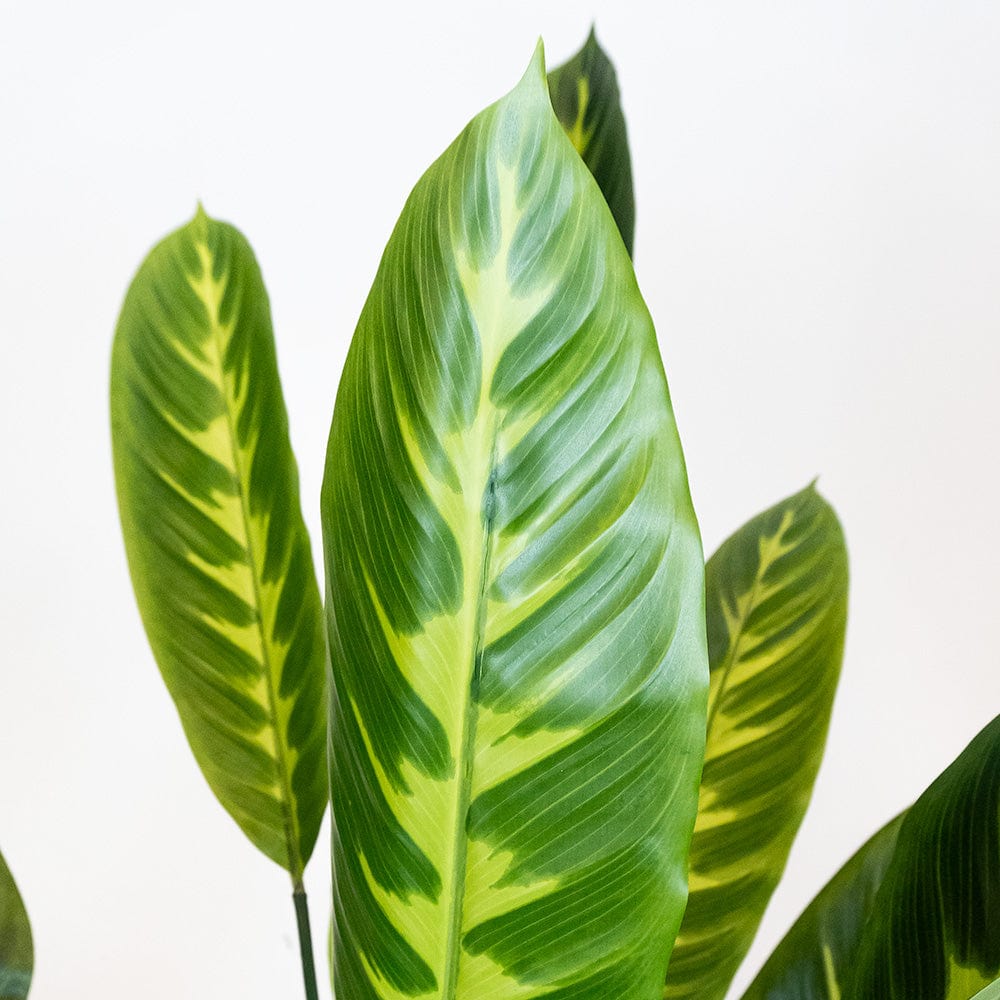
[991,992]
[219,556]
[586,100]
[915,914]
[815,957]
[17,953]
[515,595]
[934,930]
[777,610]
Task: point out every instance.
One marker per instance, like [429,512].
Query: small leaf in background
[585,97]
[915,914]
[776,599]
[814,958]
[17,953]
[516,595]
[220,560]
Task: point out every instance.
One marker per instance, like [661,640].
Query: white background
[818,191]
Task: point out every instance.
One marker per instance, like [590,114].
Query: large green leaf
[586,100]
[915,914]
[777,609]
[934,932]
[815,957]
[17,952]
[516,597]
[220,560]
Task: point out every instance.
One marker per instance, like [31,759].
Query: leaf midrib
[460,838]
[735,649]
[205,290]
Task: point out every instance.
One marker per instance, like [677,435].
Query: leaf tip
[201,220]
[534,76]
[810,492]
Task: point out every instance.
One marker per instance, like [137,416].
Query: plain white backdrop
[818,239]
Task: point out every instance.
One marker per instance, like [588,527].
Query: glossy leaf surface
[586,100]
[934,932]
[516,597]
[17,954]
[777,610]
[815,958]
[219,556]
[915,914]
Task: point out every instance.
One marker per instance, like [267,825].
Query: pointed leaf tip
[538,59]
[201,220]
[226,589]
[533,81]
[519,231]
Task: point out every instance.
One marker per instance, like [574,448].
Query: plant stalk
[305,940]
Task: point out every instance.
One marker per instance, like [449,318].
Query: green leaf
[915,914]
[934,932]
[220,560]
[777,610]
[815,957]
[992,992]
[516,595]
[17,952]
[585,97]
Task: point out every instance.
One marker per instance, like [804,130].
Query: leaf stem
[305,940]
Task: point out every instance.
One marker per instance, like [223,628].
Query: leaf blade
[506,517]
[17,950]
[813,960]
[587,101]
[217,549]
[991,992]
[776,606]
[913,913]
[934,931]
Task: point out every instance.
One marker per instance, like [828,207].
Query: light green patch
[964,982]
[830,973]
[578,134]
[424,810]
[499,313]
[501,753]
[426,659]
[481,977]
[485,897]
[417,918]
[384,990]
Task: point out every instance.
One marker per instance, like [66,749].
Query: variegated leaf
[515,595]
[777,610]
[934,930]
[915,914]
[815,958]
[220,559]
[586,100]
